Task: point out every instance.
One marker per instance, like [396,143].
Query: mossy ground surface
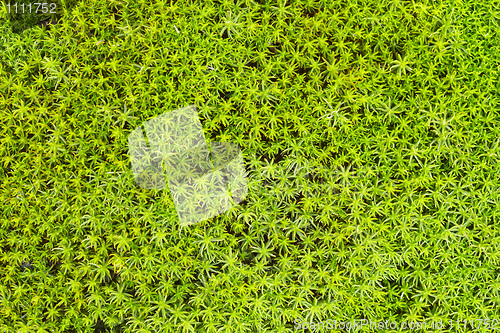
[370,135]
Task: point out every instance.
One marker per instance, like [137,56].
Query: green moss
[369,134]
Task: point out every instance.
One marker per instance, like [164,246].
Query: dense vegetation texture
[370,137]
